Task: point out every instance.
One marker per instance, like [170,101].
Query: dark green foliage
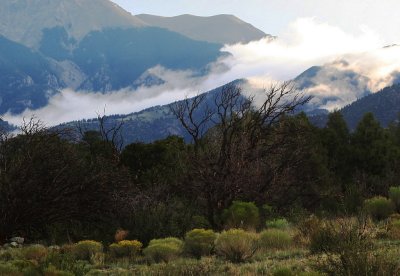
[58,190]
[336,140]
[369,145]
[48,181]
[242,215]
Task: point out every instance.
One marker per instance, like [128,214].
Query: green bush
[84,250]
[394,195]
[281,223]
[125,248]
[243,215]
[275,239]
[24,267]
[9,269]
[35,252]
[164,249]
[236,245]
[379,207]
[10,254]
[199,242]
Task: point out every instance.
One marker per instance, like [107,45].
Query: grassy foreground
[343,246]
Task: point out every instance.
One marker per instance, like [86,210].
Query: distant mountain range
[149,125]
[96,46]
[385,105]
[158,122]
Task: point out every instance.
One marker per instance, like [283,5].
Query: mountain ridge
[222,28]
[24,20]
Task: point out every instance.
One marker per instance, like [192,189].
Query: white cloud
[305,43]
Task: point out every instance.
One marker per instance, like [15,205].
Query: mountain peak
[79,17]
[221,29]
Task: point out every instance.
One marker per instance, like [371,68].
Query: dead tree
[233,157]
[110,135]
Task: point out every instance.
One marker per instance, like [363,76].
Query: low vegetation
[261,192]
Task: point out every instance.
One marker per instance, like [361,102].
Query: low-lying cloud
[306,43]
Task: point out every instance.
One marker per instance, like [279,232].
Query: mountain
[24,20]
[385,105]
[151,124]
[332,86]
[27,79]
[85,45]
[112,59]
[158,122]
[222,29]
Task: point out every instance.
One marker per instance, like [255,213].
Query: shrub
[236,245]
[348,249]
[394,195]
[275,239]
[120,235]
[125,248]
[277,223]
[84,250]
[24,267]
[379,207]
[9,269]
[35,252]
[242,215]
[199,242]
[323,238]
[164,249]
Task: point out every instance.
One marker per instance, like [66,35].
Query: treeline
[57,189]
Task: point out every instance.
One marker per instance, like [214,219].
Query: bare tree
[187,113]
[236,155]
[109,133]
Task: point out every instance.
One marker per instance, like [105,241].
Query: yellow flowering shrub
[125,248]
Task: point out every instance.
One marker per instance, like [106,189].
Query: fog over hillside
[108,70]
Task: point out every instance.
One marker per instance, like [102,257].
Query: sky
[273,16]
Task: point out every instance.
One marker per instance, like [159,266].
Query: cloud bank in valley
[305,43]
